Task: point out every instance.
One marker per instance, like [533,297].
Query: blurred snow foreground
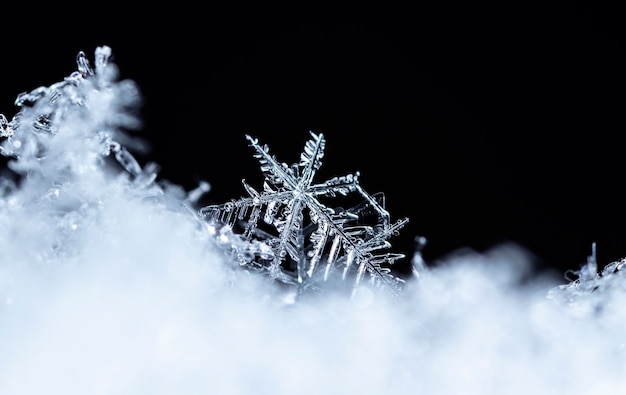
[112,281]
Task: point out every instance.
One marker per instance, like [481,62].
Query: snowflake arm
[277,173]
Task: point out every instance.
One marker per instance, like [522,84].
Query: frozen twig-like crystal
[307,251]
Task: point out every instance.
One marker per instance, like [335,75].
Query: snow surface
[109,284]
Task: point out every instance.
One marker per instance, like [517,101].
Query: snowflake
[306,252]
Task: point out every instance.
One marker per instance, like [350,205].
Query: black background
[483,123]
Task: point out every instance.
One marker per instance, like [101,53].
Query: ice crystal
[331,244]
[71,129]
[68,143]
[590,290]
[56,123]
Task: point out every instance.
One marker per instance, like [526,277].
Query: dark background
[483,123]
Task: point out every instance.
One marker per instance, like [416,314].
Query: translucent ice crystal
[591,291]
[55,124]
[270,231]
[67,149]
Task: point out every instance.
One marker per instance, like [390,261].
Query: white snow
[111,287]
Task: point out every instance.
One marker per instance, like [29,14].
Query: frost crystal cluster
[53,119]
[67,150]
[287,232]
[591,290]
[64,133]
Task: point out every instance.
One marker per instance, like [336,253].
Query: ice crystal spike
[269,230]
